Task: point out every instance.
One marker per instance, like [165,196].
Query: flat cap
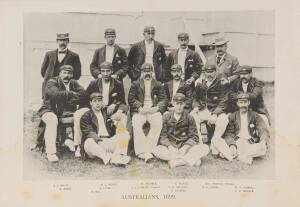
[183,35]
[176,67]
[179,97]
[209,67]
[62,36]
[107,65]
[96,95]
[243,96]
[245,69]
[149,29]
[66,67]
[147,67]
[110,31]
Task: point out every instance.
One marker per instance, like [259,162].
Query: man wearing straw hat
[227,65]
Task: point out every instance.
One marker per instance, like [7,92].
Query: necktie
[218,59]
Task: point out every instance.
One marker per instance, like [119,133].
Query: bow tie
[62,52]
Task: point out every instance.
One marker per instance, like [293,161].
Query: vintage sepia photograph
[149,95]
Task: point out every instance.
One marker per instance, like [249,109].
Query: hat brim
[220,43]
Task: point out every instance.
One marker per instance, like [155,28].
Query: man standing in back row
[147,51]
[227,65]
[56,58]
[112,53]
[189,61]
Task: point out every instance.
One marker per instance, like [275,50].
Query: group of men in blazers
[227,101]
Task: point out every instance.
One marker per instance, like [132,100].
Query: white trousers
[245,149]
[77,131]
[147,143]
[116,145]
[205,115]
[51,121]
[192,155]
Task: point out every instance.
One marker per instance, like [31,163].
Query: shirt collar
[152,42]
[223,56]
[59,50]
[108,46]
[183,50]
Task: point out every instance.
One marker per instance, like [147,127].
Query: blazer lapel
[111,86]
[155,47]
[102,54]
[170,86]
[142,88]
[176,57]
[238,121]
[115,50]
[143,47]
[94,120]
[188,54]
[100,86]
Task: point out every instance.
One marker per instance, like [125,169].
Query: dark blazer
[192,67]
[256,127]
[119,62]
[116,92]
[136,95]
[89,125]
[255,91]
[214,97]
[50,61]
[227,68]
[184,89]
[136,58]
[178,133]
[57,99]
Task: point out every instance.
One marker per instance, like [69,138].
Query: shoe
[176,163]
[120,160]
[246,159]
[148,157]
[198,163]
[77,152]
[70,144]
[52,158]
[214,151]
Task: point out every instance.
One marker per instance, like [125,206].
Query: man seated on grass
[179,141]
[107,140]
[246,133]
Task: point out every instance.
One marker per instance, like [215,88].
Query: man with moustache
[179,142]
[56,58]
[62,93]
[246,135]
[209,105]
[113,100]
[147,51]
[147,101]
[112,53]
[227,65]
[248,84]
[102,139]
[189,61]
[177,85]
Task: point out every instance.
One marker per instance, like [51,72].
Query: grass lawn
[36,167]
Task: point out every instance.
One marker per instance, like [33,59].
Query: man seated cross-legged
[104,138]
[179,142]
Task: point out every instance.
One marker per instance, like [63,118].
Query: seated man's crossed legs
[180,156]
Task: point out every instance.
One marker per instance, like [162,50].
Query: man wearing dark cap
[246,135]
[101,138]
[147,51]
[113,99]
[248,84]
[112,53]
[189,61]
[62,93]
[227,65]
[209,106]
[177,85]
[56,58]
[179,142]
[147,100]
